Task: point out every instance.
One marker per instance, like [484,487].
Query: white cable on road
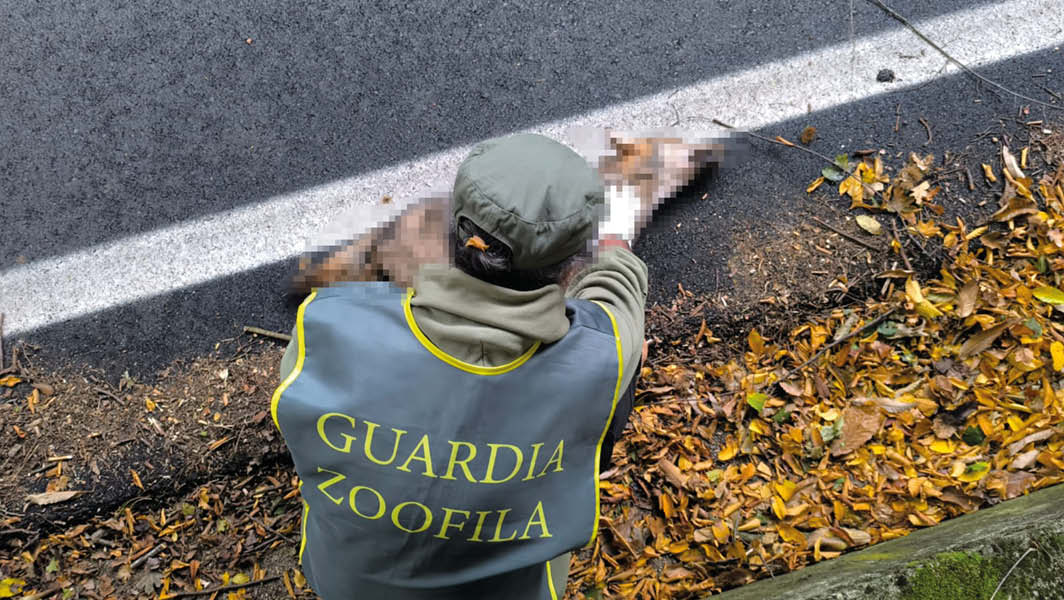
[144,265]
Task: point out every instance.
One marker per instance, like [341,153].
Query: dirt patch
[797,263]
[1051,141]
[777,275]
[228,531]
[69,430]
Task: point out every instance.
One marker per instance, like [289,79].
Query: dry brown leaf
[943,429]
[1017,483]
[869,224]
[983,340]
[672,473]
[808,135]
[1016,447]
[1013,205]
[859,424]
[46,498]
[893,406]
[1022,461]
[833,541]
[966,298]
[1009,160]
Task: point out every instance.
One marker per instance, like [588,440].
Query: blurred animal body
[653,167]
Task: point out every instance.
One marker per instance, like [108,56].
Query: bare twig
[224,588]
[897,17]
[275,532]
[853,239]
[273,334]
[1014,565]
[100,390]
[901,248]
[870,324]
[43,594]
[145,557]
[830,161]
[927,126]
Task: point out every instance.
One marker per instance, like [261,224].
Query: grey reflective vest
[426,477]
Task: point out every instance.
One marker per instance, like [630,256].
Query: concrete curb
[962,559]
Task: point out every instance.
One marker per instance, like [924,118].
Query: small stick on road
[273,334]
[927,126]
[853,239]
[224,588]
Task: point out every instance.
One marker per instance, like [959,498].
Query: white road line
[144,265]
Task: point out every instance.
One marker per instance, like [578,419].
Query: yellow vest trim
[303,531]
[613,408]
[302,346]
[454,362]
[550,583]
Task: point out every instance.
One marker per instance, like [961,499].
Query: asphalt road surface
[118,120]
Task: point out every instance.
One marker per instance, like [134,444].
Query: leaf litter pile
[937,398]
[932,400]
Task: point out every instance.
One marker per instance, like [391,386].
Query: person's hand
[644,172]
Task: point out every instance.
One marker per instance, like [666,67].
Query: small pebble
[885,76]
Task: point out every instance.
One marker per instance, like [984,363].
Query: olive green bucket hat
[534,194]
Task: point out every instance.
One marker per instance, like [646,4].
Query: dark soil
[198,420]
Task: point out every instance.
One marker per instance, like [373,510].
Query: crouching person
[449,436]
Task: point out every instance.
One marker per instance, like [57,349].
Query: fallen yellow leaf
[785,489]
[1056,349]
[778,508]
[942,446]
[789,534]
[667,506]
[988,171]
[852,186]
[912,290]
[1049,295]
[975,472]
[11,587]
[869,224]
[750,525]
[757,343]
[928,310]
[136,479]
[729,451]
[813,186]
